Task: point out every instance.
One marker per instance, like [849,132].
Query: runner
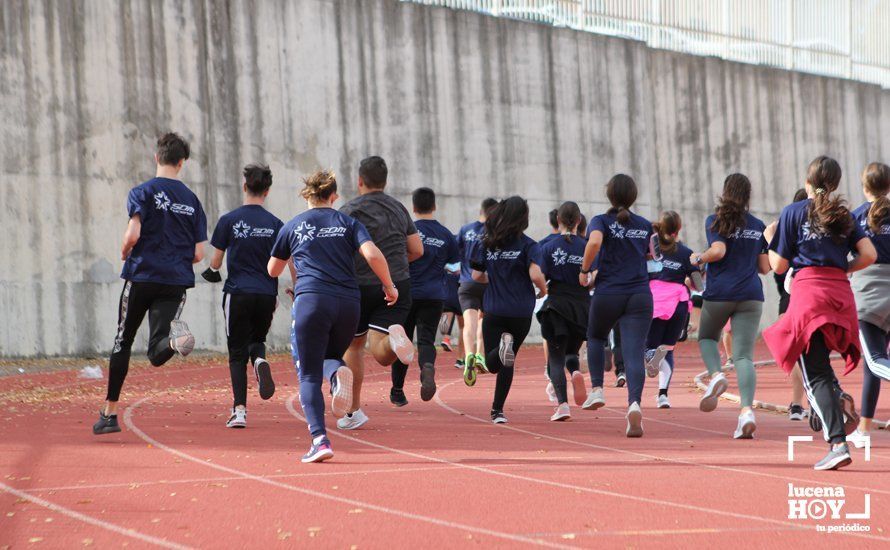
[322,243]
[164,237]
[509,262]
[671,304]
[814,237]
[427,282]
[250,295]
[621,296]
[735,255]
[380,323]
[871,287]
[470,294]
[563,316]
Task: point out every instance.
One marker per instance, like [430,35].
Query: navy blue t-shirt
[466,237]
[675,265]
[881,239]
[734,278]
[428,271]
[802,247]
[173,222]
[323,243]
[622,258]
[247,235]
[548,238]
[510,291]
[562,260]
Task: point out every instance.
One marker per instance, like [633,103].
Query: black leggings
[492,328]
[633,314]
[822,388]
[424,316]
[163,303]
[874,353]
[248,318]
[562,356]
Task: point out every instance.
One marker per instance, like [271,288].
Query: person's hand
[541,293]
[584,279]
[695,259]
[392,295]
[290,292]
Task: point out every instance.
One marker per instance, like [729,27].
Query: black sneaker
[497,417]
[427,381]
[796,412]
[397,397]
[263,373]
[106,424]
[619,383]
[459,364]
[837,457]
[815,421]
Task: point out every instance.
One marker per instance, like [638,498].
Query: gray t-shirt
[389,224]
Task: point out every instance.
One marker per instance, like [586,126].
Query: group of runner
[371,276]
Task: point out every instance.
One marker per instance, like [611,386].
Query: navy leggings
[633,315]
[322,329]
[877,365]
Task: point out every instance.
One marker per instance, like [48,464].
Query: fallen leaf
[284,535]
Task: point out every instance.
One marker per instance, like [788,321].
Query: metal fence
[841,38]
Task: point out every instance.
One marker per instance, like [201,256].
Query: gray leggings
[745,324]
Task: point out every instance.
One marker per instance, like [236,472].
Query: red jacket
[821,299]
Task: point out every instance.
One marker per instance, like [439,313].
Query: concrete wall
[468,104]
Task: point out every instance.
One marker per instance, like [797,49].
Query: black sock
[662,392]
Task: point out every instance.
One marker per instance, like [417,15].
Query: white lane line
[91,520]
[785,478]
[164,482]
[128,421]
[575,488]
[621,451]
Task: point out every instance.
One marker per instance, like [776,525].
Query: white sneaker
[858,438]
[746,427]
[551,393]
[401,344]
[594,400]
[634,421]
[718,385]
[181,339]
[353,421]
[653,364]
[341,396]
[579,388]
[662,402]
[238,418]
[562,413]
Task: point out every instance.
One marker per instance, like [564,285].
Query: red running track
[434,474]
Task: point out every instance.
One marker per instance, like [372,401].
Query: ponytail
[622,194]
[667,229]
[568,215]
[876,180]
[827,215]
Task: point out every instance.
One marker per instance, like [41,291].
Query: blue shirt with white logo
[562,259]
[428,271]
[247,235]
[510,291]
[734,278]
[466,237]
[804,247]
[622,258]
[675,265]
[548,238]
[323,243]
[880,238]
[173,222]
